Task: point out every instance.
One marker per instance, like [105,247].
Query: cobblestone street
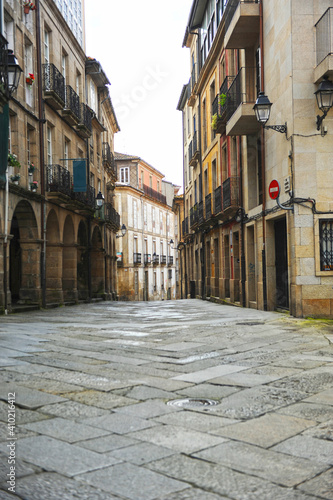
[177,400]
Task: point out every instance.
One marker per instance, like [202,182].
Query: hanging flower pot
[31,168]
[28,6]
[30,79]
[26,9]
[34,186]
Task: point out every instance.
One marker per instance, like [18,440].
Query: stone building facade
[242,246]
[147,259]
[56,247]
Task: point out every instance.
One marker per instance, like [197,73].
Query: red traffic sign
[274,189]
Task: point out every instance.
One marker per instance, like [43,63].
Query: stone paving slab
[321,486]
[312,411]
[21,468]
[52,486]
[209,373]
[98,399]
[276,467]
[65,430]
[133,482]
[108,443]
[196,421]
[57,456]
[319,450]
[265,431]
[220,480]
[207,390]
[28,398]
[141,453]
[73,410]
[147,409]
[119,423]
[21,416]
[325,397]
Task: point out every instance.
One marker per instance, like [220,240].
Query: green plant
[31,168]
[214,121]
[222,100]
[15,178]
[13,161]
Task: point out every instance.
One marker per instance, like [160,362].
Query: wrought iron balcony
[193,150]
[230,189]
[170,260]
[220,107]
[53,86]
[208,206]
[156,259]
[108,158]
[185,226]
[84,126]
[163,259]
[137,258]
[58,179]
[193,84]
[4,94]
[147,258]
[194,215]
[217,200]
[154,194]
[87,198]
[242,22]
[324,45]
[111,215]
[200,212]
[71,111]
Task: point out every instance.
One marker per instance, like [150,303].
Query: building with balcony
[61,248]
[147,259]
[242,246]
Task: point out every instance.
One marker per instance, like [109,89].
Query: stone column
[30,290]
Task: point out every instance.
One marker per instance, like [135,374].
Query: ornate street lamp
[99,200]
[123,232]
[14,72]
[262,109]
[324,96]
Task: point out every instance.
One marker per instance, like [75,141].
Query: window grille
[326,245]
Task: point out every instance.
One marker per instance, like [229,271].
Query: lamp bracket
[320,119]
[278,128]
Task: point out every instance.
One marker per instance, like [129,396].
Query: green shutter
[79,176]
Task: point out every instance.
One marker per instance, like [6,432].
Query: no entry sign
[274,189]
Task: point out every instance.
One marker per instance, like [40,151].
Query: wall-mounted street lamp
[14,72]
[99,201]
[262,109]
[123,232]
[324,96]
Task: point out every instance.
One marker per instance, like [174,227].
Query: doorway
[281,264]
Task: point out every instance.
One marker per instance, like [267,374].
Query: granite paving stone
[196,421]
[73,410]
[322,431]
[318,412]
[55,455]
[21,468]
[19,432]
[66,430]
[28,398]
[320,486]
[22,416]
[177,438]
[105,400]
[119,423]
[141,453]
[209,373]
[325,398]
[276,467]
[108,443]
[52,486]
[146,392]
[147,409]
[265,431]
[211,391]
[318,450]
[193,494]
[133,482]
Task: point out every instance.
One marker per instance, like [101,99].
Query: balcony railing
[85,123]
[208,206]
[170,260]
[163,259]
[154,194]
[156,259]
[193,149]
[137,258]
[58,179]
[241,91]
[231,8]
[217,200]
[54,86]
[200,212]
[111,215]
[108,157]
[147,258]
[324,36]
[87,197]
[230,189]
[185,226]
[3,71]
[71,111]
[194,215]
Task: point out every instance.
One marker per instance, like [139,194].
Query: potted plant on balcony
[13,161]
[30,79]
[214,121]
[33,186]
[28,6]
[31,168]
[223,99]
[15,178]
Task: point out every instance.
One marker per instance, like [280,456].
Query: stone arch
[53,260]
[97,264]
[82,261]
[24,255]
[69,262]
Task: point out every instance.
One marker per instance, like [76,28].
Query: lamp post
[123,232]
[262,109]
[324,96]
[100,201]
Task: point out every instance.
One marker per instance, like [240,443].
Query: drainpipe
[41,121]
[264,276]
[243,270]
[89,228]
[5,244]
[184,210]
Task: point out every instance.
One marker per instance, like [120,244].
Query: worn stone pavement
[92,420]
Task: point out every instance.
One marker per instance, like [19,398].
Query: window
[49,145]
[142,179]
[78,83]
[135,214]
[124,175]
[64,65]
[204,125]
[28,65]
[66,152]
[145,215]
[93,96]
[151,181]
[326,244]
[46,47]
[9,31]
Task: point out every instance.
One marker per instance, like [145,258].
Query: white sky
[139,45]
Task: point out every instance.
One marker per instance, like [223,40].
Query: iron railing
[137,258]
[170,260]
[147,258]
[53,81]
[156,259]
[185,226]
[231,8]
[208,206]
[154,194]
[326,245]
[163,259]
[4,67]
[111,214]
[58,179]
[218,200]
[87,197]
[200,212]
[108,156]
[86,117]
[324,36]
[72,101]
[230,189]
[194,146]
[242,90]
